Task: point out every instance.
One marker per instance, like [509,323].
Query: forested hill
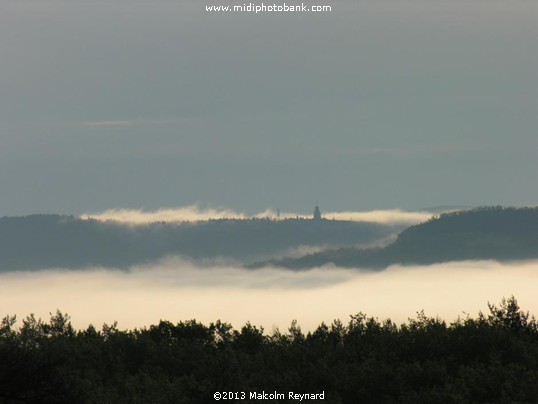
[45,241]
[483,233]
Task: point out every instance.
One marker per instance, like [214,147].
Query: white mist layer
[394,216]
[194,213]
[189,213]
[177,290]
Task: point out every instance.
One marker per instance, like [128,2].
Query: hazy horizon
[132,130]
[375,111]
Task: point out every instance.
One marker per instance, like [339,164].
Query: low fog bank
[176,290]
[192,213]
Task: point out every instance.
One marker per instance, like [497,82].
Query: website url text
[261,8]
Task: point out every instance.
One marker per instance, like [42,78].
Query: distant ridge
[55,241]
[482,233]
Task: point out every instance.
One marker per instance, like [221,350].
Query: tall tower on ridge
[317,213]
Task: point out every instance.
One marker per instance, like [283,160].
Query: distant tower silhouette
[317,213]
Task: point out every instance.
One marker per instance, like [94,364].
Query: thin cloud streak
[96,124]
[141,122]
[192,213]
[411,150]
[175,290]
[108,123]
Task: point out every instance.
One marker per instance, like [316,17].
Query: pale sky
[375,105]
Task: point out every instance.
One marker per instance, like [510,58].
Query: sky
[375,105]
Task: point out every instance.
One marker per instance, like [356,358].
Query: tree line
[485,359]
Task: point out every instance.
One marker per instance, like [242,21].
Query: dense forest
[492,358]
[483,233]
[45,241]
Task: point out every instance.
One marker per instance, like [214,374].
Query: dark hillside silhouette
[483,233]
[44,241]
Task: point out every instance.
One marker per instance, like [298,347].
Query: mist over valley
[160,166]
[52,241]
[220,267]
